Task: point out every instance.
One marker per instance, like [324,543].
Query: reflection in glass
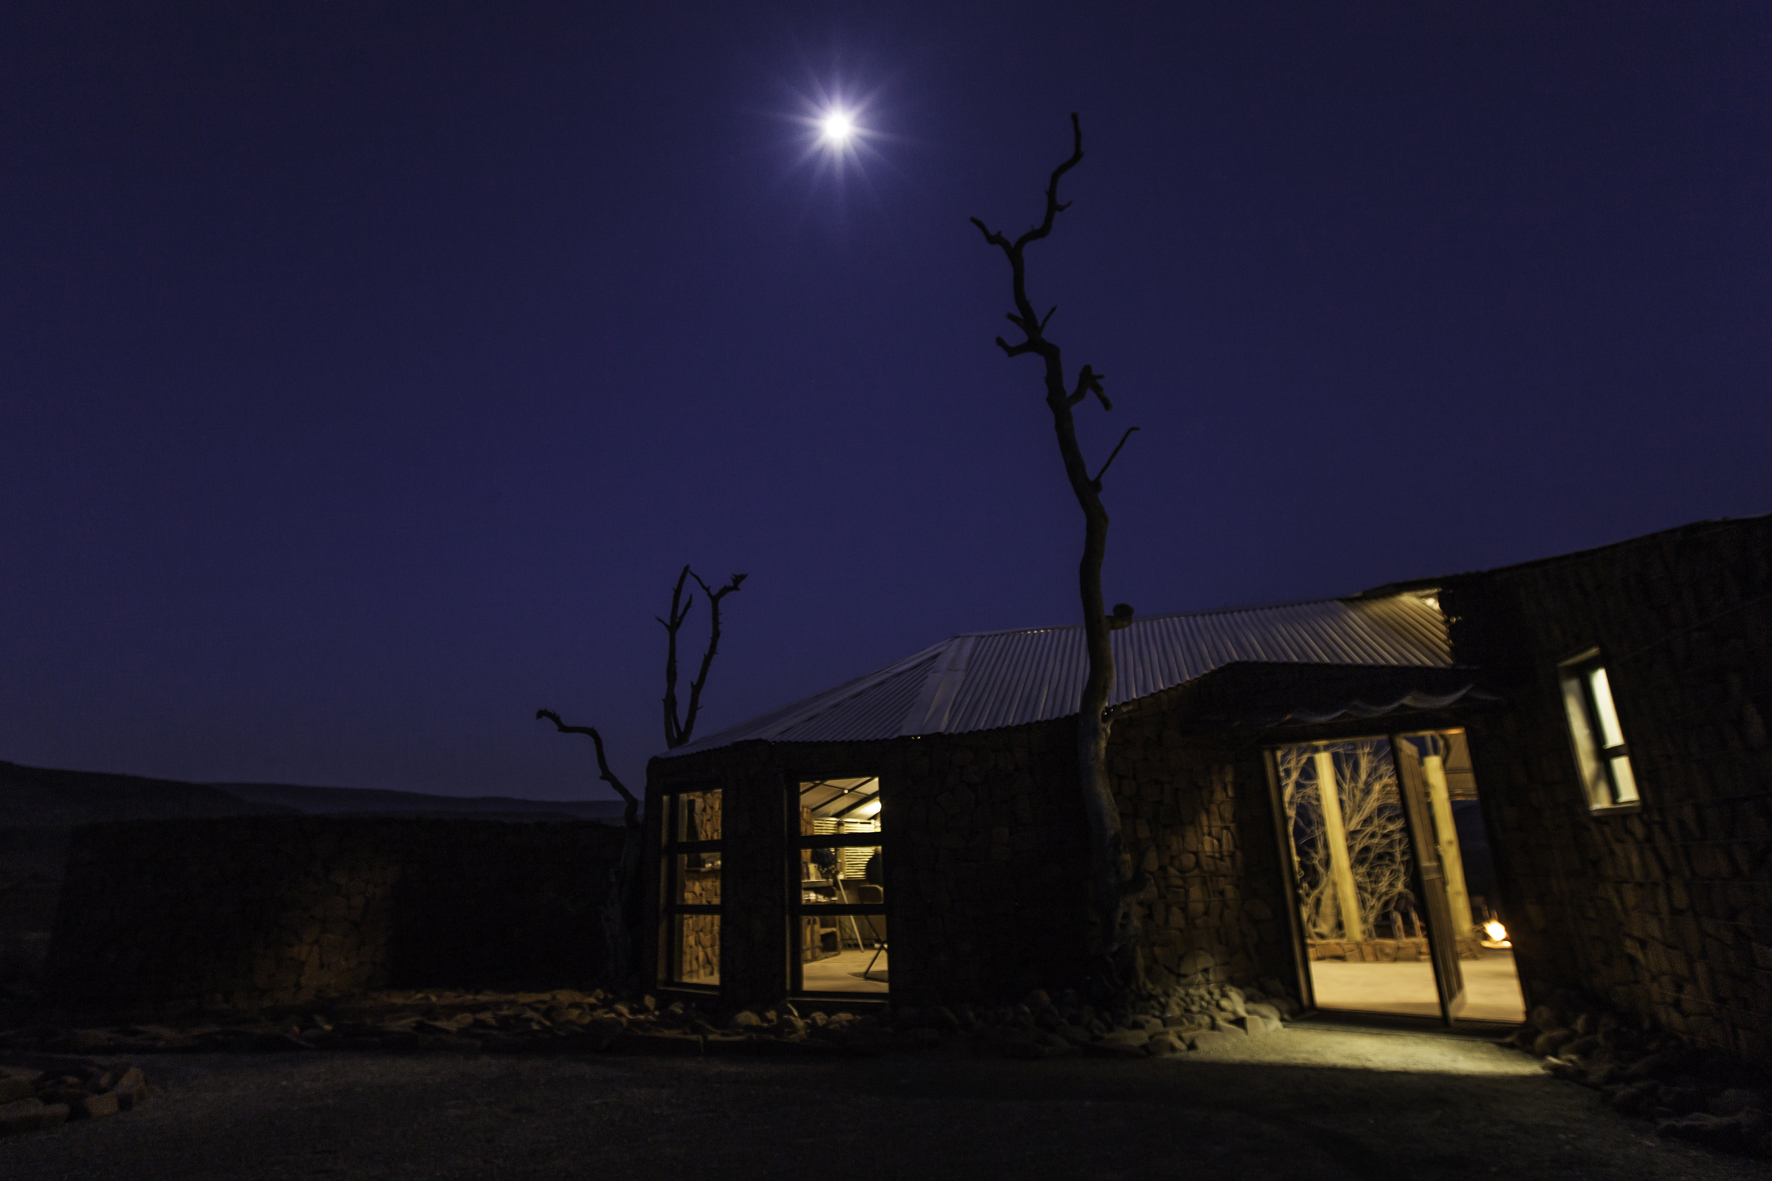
[695,940]
[1608,712]
[695,816]
[697,879]
[1596,734]
[691,872]
[1587,757]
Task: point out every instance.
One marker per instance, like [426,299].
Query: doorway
[1393,879]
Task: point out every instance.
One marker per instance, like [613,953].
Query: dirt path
[1317,1103]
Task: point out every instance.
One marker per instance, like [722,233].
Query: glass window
[838,919]
[690,890]
[1596,734]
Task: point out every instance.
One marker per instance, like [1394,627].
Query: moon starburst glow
[838,132]
[836,128]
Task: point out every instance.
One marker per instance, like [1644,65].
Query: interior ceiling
[840,798]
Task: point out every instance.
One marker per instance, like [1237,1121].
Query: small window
[1600,750]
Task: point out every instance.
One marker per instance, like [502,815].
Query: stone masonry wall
[983,858]
[1198,821]
[255,911]
[988,860]
[1666,911]
[986,856]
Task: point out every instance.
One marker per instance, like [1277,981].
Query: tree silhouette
[621,913]
[1113,884]
[677,732]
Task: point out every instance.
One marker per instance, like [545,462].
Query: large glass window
[838,919]
[1598,739]
[690,887]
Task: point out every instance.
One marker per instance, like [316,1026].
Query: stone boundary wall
[247,912]
[1665,912]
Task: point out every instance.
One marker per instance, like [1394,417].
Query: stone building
[1575,746]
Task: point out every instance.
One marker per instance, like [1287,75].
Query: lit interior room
[1368,889]
[840,916]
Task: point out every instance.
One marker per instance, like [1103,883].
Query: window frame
[1594,760]
[798,909]
[670,858]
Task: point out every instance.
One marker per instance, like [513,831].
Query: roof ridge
[1273,606]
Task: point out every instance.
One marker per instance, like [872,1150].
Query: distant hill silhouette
[43,797]
[47,797]
[335,801]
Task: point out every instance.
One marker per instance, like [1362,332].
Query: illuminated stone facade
[985,856]
[1663,910]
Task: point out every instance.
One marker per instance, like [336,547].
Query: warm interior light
[837,127]
[1497,933]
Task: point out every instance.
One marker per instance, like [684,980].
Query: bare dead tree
[621,913]
[677,733]
[1113,884]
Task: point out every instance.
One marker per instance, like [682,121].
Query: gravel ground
[1309,1102]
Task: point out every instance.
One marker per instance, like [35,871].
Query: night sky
[367,371]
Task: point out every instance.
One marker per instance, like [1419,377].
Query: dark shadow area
[248,912]
[1368,1108]
[513,907]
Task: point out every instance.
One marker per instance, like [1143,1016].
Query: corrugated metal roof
[986,680]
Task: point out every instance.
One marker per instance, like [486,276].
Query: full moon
[837,128]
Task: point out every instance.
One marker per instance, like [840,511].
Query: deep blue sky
[367,371]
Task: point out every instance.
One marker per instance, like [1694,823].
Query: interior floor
[843,972]
[1491,987]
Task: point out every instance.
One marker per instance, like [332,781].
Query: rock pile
[1698,1094]
[1191,1017]
[1185,1017]
[41,1093]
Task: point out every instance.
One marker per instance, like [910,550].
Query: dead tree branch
[1095,480]
[677,733]
[678,613]
[632,816]
[687,729]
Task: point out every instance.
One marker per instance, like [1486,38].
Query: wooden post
[1433,768]
[1335,833]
